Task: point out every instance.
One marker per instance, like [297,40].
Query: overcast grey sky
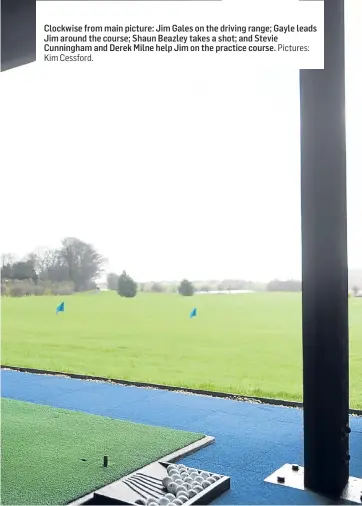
[171,171]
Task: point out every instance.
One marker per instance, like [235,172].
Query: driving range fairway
[248,344]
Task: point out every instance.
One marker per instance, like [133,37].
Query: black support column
[324,261]
[18,33]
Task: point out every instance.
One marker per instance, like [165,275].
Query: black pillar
[18,33]
[324,263]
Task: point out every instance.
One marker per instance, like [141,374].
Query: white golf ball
[172,487]
[184,475]
[211,479]
[181,466]
[198,479]
[170,497]
[188,479]
[163,501]
[177,502]
[216,476]
[179,481]
[171,466]
[180,488]
[182,492]
[182,498]
[192,493]
[204,474]
[205,484]
[194,474]
[198,488]
[150,500]
[152,503]
[166,481]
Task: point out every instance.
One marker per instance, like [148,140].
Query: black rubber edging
[208,393]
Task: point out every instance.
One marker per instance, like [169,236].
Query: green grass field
[249,344]
[43,449]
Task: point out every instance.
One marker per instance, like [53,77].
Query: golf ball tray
[163,484]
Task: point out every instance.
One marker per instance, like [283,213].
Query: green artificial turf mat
[43,449]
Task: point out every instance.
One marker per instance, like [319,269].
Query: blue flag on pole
[193,313]
[60,308]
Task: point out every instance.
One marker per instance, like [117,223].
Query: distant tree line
[127,287]
[76,265]
[199,286]
[73,267]
[187,287]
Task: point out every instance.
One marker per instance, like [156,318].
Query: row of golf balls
[183,483]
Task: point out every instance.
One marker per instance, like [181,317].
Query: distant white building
[102,286]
